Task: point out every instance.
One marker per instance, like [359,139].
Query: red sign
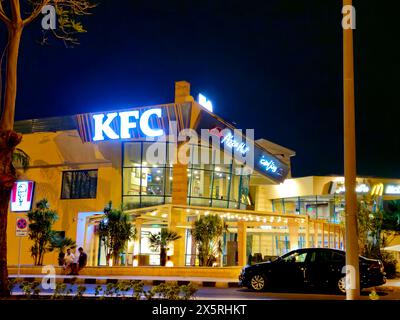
[21,196]
[21,227]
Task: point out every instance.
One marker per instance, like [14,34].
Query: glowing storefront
[82,162]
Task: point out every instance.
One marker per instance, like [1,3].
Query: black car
[317,268]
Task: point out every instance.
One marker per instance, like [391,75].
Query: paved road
[245,294]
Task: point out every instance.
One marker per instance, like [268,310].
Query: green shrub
[110,290]
[30,288]
[61,291]
[138,289]
[188,291]
[80,290]
[14,282]
[123,287]
[97,291]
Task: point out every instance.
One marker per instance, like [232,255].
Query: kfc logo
[21,196]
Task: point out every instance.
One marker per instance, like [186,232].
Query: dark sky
[271,65]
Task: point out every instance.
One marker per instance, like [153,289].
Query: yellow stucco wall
[51,154]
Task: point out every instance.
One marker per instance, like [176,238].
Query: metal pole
[352,255]
[19,256]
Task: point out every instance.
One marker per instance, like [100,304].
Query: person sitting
[82,260]
[68,261]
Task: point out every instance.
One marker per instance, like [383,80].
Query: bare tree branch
[15,11]
[3,16]
[35,12]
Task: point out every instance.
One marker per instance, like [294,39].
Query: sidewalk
[148,280]
[391,285]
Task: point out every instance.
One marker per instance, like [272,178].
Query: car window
[338,258]
[297,257]
[326,257]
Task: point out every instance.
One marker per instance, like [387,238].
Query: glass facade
[217,185]
[328,207]
[144,185]
[210,185]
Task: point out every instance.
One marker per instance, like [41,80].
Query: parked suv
[317,268]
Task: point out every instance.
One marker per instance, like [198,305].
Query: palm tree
[20,157]
[41,220]
[161,240]
[115,230]
[57,242]
[207,233]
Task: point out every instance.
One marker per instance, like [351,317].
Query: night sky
[271,65]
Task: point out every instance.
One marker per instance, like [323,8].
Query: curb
[388,289]
[208,284]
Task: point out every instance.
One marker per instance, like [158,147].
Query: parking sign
[21,227]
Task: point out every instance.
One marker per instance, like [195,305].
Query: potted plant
[160,241]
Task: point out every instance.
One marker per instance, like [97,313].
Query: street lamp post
[352,258]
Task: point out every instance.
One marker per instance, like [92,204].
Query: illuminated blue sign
[127,120]
[204,102]
[228,139]
[269,165]
[232,143]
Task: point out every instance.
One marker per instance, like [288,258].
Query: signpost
[21,231]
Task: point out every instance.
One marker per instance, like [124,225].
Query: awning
[392,248]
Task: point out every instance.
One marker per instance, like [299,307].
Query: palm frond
[21,158]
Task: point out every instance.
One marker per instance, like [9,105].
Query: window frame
[63,172]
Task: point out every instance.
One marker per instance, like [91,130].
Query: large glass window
[327,207]
[144,183]
[216,185]
[80,184]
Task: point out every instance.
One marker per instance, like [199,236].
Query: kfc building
[168,165]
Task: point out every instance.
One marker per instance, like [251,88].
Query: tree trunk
[8,141]
[115,259]
[10,92]
[163,256]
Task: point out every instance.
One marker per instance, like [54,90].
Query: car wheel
[258,282]
[341,285]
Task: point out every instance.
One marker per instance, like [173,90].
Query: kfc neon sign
[128,120]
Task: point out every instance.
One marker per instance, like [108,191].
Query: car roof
[320,249]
